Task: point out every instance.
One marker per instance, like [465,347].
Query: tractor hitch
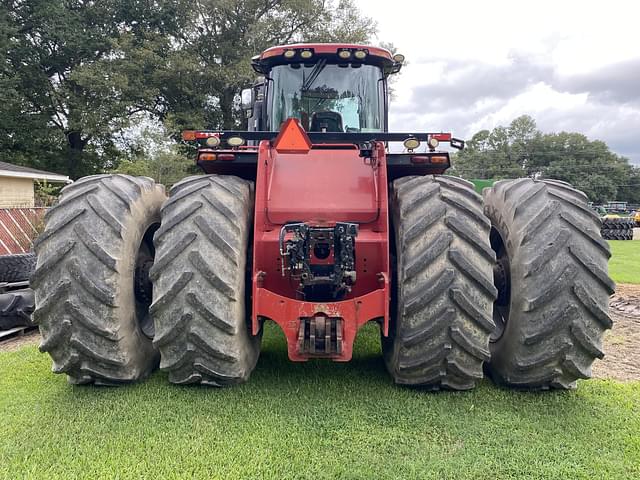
[320,336]
[320,259]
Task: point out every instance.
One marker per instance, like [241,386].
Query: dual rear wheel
[517,287]
[125,277]
[522,289]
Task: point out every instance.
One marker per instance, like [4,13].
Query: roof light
[360,54]
[212,141]
[411,143]
[433,143]
[344,54]
[188,135]
[235,141]
[289,53]
[398,58]
[306,54]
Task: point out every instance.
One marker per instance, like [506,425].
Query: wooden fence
[18,228]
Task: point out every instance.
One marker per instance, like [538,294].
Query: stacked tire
[16,301]
[617,228]
[17,268]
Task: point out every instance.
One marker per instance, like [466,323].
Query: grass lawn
[314,420]
[624,265]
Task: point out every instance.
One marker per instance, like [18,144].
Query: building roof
[18,171]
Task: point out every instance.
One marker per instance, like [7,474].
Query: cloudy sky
[572,65]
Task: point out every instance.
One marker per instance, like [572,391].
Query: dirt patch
[29,337]
[626,300]
[621,350]
[622,342]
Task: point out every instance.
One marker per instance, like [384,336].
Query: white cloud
[572,65]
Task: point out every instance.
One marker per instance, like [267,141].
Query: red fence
[18,228]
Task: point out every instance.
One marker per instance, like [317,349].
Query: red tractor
[307,219]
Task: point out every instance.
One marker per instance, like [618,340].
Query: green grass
[314,420]
[624,265]
[482,184]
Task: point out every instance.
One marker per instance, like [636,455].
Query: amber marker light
[188,135]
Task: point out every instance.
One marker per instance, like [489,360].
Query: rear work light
[212,141]
[235,141]
[411,143]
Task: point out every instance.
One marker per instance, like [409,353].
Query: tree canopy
[521,150]
[76,74]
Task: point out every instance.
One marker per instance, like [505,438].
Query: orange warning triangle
[292,138]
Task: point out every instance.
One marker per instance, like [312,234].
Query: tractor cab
[327,87]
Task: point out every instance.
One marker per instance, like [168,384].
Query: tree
[76,73]
[71,65]
[202,80]
[521,150]
[153,154]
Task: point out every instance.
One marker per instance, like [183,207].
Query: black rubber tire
[17,268]
[84,280]
[16,307]
[608,234]
[439,332]
[199,282]
[560,287]
[610,223]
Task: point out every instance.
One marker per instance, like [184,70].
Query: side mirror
[246,98]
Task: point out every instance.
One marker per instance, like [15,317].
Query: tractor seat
[326,122]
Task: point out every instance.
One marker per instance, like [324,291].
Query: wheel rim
[502,281]
[142,286]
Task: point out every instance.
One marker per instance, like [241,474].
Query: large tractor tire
[200,282]
[551,274]
[91,280]
[439,334]
[17,268]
